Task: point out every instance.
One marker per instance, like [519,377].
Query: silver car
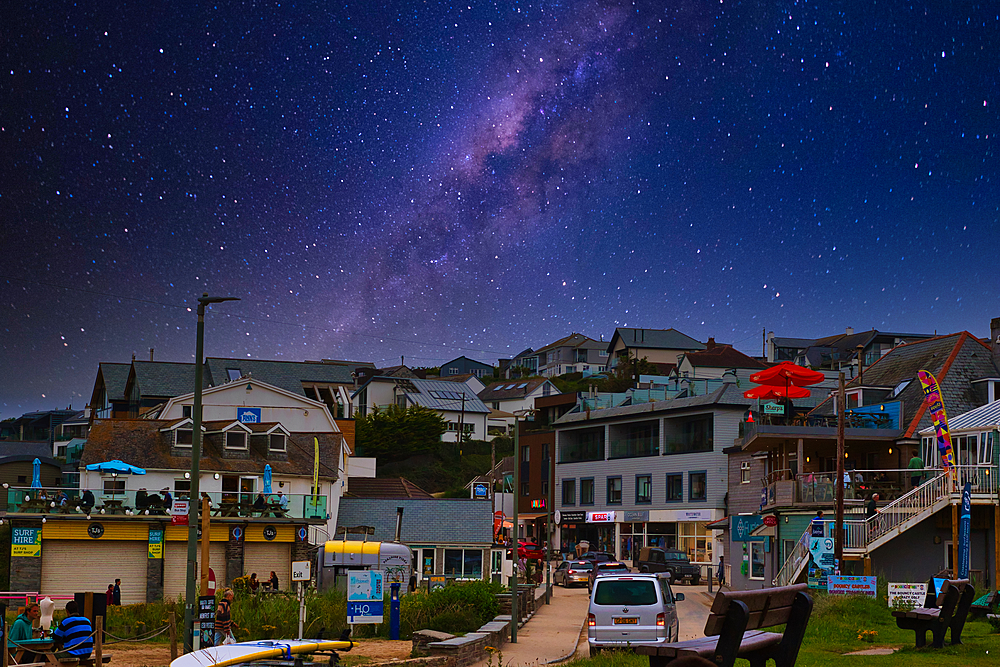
[628,610]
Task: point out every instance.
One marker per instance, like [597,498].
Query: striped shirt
[74,635]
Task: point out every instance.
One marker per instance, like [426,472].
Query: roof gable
[288,375]
[722,356]
[657,339]
[162,378]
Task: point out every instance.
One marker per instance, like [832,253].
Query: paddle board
[235,654]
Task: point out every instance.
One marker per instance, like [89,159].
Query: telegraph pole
[838,543]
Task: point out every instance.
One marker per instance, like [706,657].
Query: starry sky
[432,179]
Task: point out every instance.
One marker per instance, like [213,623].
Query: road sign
[364,596]
[301,570]
[211,581]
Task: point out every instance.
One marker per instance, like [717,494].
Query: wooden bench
[89,662]
[948,608]
[733,629]
[985,605]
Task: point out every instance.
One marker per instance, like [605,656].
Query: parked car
[530,550]
[607,567]
[655,559]
[572,572]
[597,556]
[628,610]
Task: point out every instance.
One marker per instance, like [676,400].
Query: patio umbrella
[267,479]
[36,474]
[116,467]
[765,392]
[787,375]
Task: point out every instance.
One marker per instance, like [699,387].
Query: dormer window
[277,442]
[183,437]
[236,439]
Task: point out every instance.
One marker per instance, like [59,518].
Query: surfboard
[235,654]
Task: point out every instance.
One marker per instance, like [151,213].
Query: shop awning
[719,524]
[530,516]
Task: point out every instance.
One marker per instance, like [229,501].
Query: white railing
[862,533]
[795,561]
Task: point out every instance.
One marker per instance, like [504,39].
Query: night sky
[432,179]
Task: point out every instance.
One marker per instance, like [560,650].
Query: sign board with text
[155,548]
[840,585]
[365,591]
[907,594]
[179,513]
[301,570]
[26,542]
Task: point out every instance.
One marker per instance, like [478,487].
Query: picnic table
[733,629]
[113,506]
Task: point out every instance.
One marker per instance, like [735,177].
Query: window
[182,488]
[756,560]
[236,440]
[114,486]
[614,490]
[525,489]
[464,563]
[61,451]
[525,454]
[545,488]
[695,540]
[745,472]
[277,442]
[467,428]
[233,374]
[187,411]
[643,489]
[496,405]
[569,492]
[696,486]
[183,437]
[582,445]
[685,435]
[675,487]
[602,353]
[571,369]
[986,451]
[587,491]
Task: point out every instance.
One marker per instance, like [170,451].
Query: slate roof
[574,340]
[727,394]
[392,487]
[983,417]
[665,339]
[140,442]
[397,372]
[497,391]
[30,449]
[164,378]
[423,396]
[723,356]
[438,521]
[288,375]
[955,360]
[115,378]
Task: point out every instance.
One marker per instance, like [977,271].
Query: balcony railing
[633,447]
[131,503]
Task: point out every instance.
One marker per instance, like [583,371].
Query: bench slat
[757,600]
[757,620]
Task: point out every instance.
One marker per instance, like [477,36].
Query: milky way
[431,179]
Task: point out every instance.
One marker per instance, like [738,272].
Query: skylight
[522,386]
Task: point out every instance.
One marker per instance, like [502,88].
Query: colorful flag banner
[935,404]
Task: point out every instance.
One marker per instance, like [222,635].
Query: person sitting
[274,579]
[74,633]
[168,500]
[260,503]
[141,499]
[254,584]
[87,501]
[22,629]
[283,502]
[154,503]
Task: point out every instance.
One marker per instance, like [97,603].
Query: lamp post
[191,595]
[518,414]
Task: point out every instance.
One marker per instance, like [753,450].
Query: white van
[628,610]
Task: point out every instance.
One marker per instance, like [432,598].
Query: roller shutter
[175,567]
[262,557]
[74,566]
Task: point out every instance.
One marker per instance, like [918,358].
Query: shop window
[614,490]
[675,487]
[587,491]
[696,486]
[569,492]
[757,560]
[643,489]
[695,540]
[463,563]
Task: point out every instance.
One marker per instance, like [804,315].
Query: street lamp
[190,597]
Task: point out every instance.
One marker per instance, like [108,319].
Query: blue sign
[248,415]
[740,527]
[361,612]
[479,490]
[364,596]
[964,525]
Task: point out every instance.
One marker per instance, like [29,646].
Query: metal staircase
[866,535]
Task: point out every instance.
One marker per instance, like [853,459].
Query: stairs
[864,536]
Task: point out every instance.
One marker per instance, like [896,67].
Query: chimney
[995,339]
[150,354]
[710,345]
[850,331]
[399,524]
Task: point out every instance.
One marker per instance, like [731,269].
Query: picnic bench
[944,609]
[734,629]
[985,605]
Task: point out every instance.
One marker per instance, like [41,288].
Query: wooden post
[954,540]
[173,636]
[868,566]
[206,543]
[99,641]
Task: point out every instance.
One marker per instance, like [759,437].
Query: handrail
[800,554]
[890,517]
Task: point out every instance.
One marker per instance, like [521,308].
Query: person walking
[224,620]
[916,468]
[721,574]
[111,595]
[116,593]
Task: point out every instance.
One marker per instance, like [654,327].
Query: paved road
[557,630]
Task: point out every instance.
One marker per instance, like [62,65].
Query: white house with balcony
[456,402]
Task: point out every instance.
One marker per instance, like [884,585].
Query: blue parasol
[117,466]
[36,474]
[267,478]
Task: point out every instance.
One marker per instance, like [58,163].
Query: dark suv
[655,559]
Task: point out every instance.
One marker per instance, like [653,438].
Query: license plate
[626,621]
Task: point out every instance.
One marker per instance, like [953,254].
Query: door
[70,566]
[262,557]
[175,567]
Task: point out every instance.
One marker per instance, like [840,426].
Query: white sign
[301,570]
[365,591]
[907,595]
[180,507]
[600,517]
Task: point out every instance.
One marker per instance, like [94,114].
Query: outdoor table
[44,647]
[228,508]
[114,506]
[274,509]
[35,505]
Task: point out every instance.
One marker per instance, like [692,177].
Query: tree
[627,372]
[396,433]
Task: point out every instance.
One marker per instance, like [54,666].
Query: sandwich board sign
[364,596]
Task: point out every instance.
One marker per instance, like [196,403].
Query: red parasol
[765,392]
[785,378]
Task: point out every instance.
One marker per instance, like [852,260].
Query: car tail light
[661,620]
[592,620]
